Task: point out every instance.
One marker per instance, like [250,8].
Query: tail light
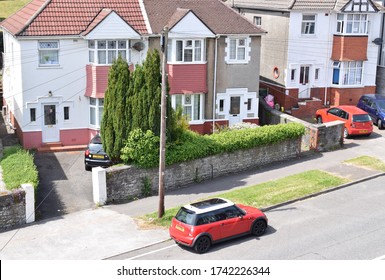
[87,153]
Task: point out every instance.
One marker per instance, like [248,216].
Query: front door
[235,110]
[304,89]
[50,127]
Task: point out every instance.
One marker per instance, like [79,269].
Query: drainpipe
[215,78]
[328,60]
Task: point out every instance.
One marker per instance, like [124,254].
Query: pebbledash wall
[126,182]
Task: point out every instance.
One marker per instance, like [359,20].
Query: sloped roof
[70,17]
[79,17]
[299,5]
[217,16]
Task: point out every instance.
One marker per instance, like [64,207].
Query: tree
[116,120]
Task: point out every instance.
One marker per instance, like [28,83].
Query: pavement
[103,232]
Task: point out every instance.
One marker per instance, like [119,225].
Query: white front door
[235,109]
[304,86]
[50,127]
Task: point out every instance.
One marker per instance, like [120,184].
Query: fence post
[99,185]
[29,203]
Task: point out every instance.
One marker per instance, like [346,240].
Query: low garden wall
[318,137]
[127,182]
[12,209]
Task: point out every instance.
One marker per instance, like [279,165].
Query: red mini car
[200,224]
[357,121]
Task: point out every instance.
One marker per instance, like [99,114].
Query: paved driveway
[65,186]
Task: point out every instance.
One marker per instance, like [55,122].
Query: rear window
[361,118]
[186,216]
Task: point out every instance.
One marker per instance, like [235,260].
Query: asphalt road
[348,224]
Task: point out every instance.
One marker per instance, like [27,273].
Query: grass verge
[267,194]
[367,162]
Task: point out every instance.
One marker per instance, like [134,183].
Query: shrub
[18,168]
[143,149]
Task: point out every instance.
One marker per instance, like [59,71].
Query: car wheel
[319,119]
[346,134]
[379,124]
[88,168]
[202,245]
[259,228]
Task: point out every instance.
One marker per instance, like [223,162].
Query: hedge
[142,149]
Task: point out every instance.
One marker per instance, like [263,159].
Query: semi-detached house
[316,53]
[58,54]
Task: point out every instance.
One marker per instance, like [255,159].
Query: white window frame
[96,111]
[109,49]
[257,20]
[350,72]
[235,46]
[353,24]
[48,53]
[178,50]
[308,24]
[193,102]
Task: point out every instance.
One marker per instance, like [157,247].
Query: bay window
[190,104]
[352,23]
[347,73]
[106,51]
[186,50]
[96,111]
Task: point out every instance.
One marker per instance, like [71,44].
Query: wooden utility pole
[162,150]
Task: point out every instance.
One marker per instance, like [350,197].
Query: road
[348,224]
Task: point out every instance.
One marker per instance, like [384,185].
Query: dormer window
[106,51]
[352,23]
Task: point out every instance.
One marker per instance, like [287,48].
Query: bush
[143,149]
[18,168]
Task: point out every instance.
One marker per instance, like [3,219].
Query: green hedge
[18,168]
[142,149]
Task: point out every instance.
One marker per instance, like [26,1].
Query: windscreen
[185,216]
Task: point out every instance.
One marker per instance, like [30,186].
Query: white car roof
[209,205]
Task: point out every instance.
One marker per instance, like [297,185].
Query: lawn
[268,193]
[367,162]
[8,8]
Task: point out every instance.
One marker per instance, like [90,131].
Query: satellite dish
[139,46]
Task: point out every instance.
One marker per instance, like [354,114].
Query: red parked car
[357,121]
[199,225]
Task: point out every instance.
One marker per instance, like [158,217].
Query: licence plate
[97,156]
[179,228]
[363,131]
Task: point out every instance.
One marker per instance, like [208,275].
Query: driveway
[65,186]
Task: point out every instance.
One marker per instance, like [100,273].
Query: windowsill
[196,122]
[352,34]
[49,66]
[347,86]
[237,62]
[185,63]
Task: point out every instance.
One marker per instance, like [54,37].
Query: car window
[343,114]
[206,218]
[361,118]
[364,100]
[185,216]
[334,111]
[232,212]
[381,104]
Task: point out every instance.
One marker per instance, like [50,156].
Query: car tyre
[319,119]
[88,168]
[379,124]
[202,245]
[259,228]
[346,134]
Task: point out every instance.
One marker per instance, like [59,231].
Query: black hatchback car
[95,155]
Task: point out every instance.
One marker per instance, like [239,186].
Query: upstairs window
[48,53]
[237,50]
[352,23]
[188,50]
[257,21]
[106,51]
[308,24]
